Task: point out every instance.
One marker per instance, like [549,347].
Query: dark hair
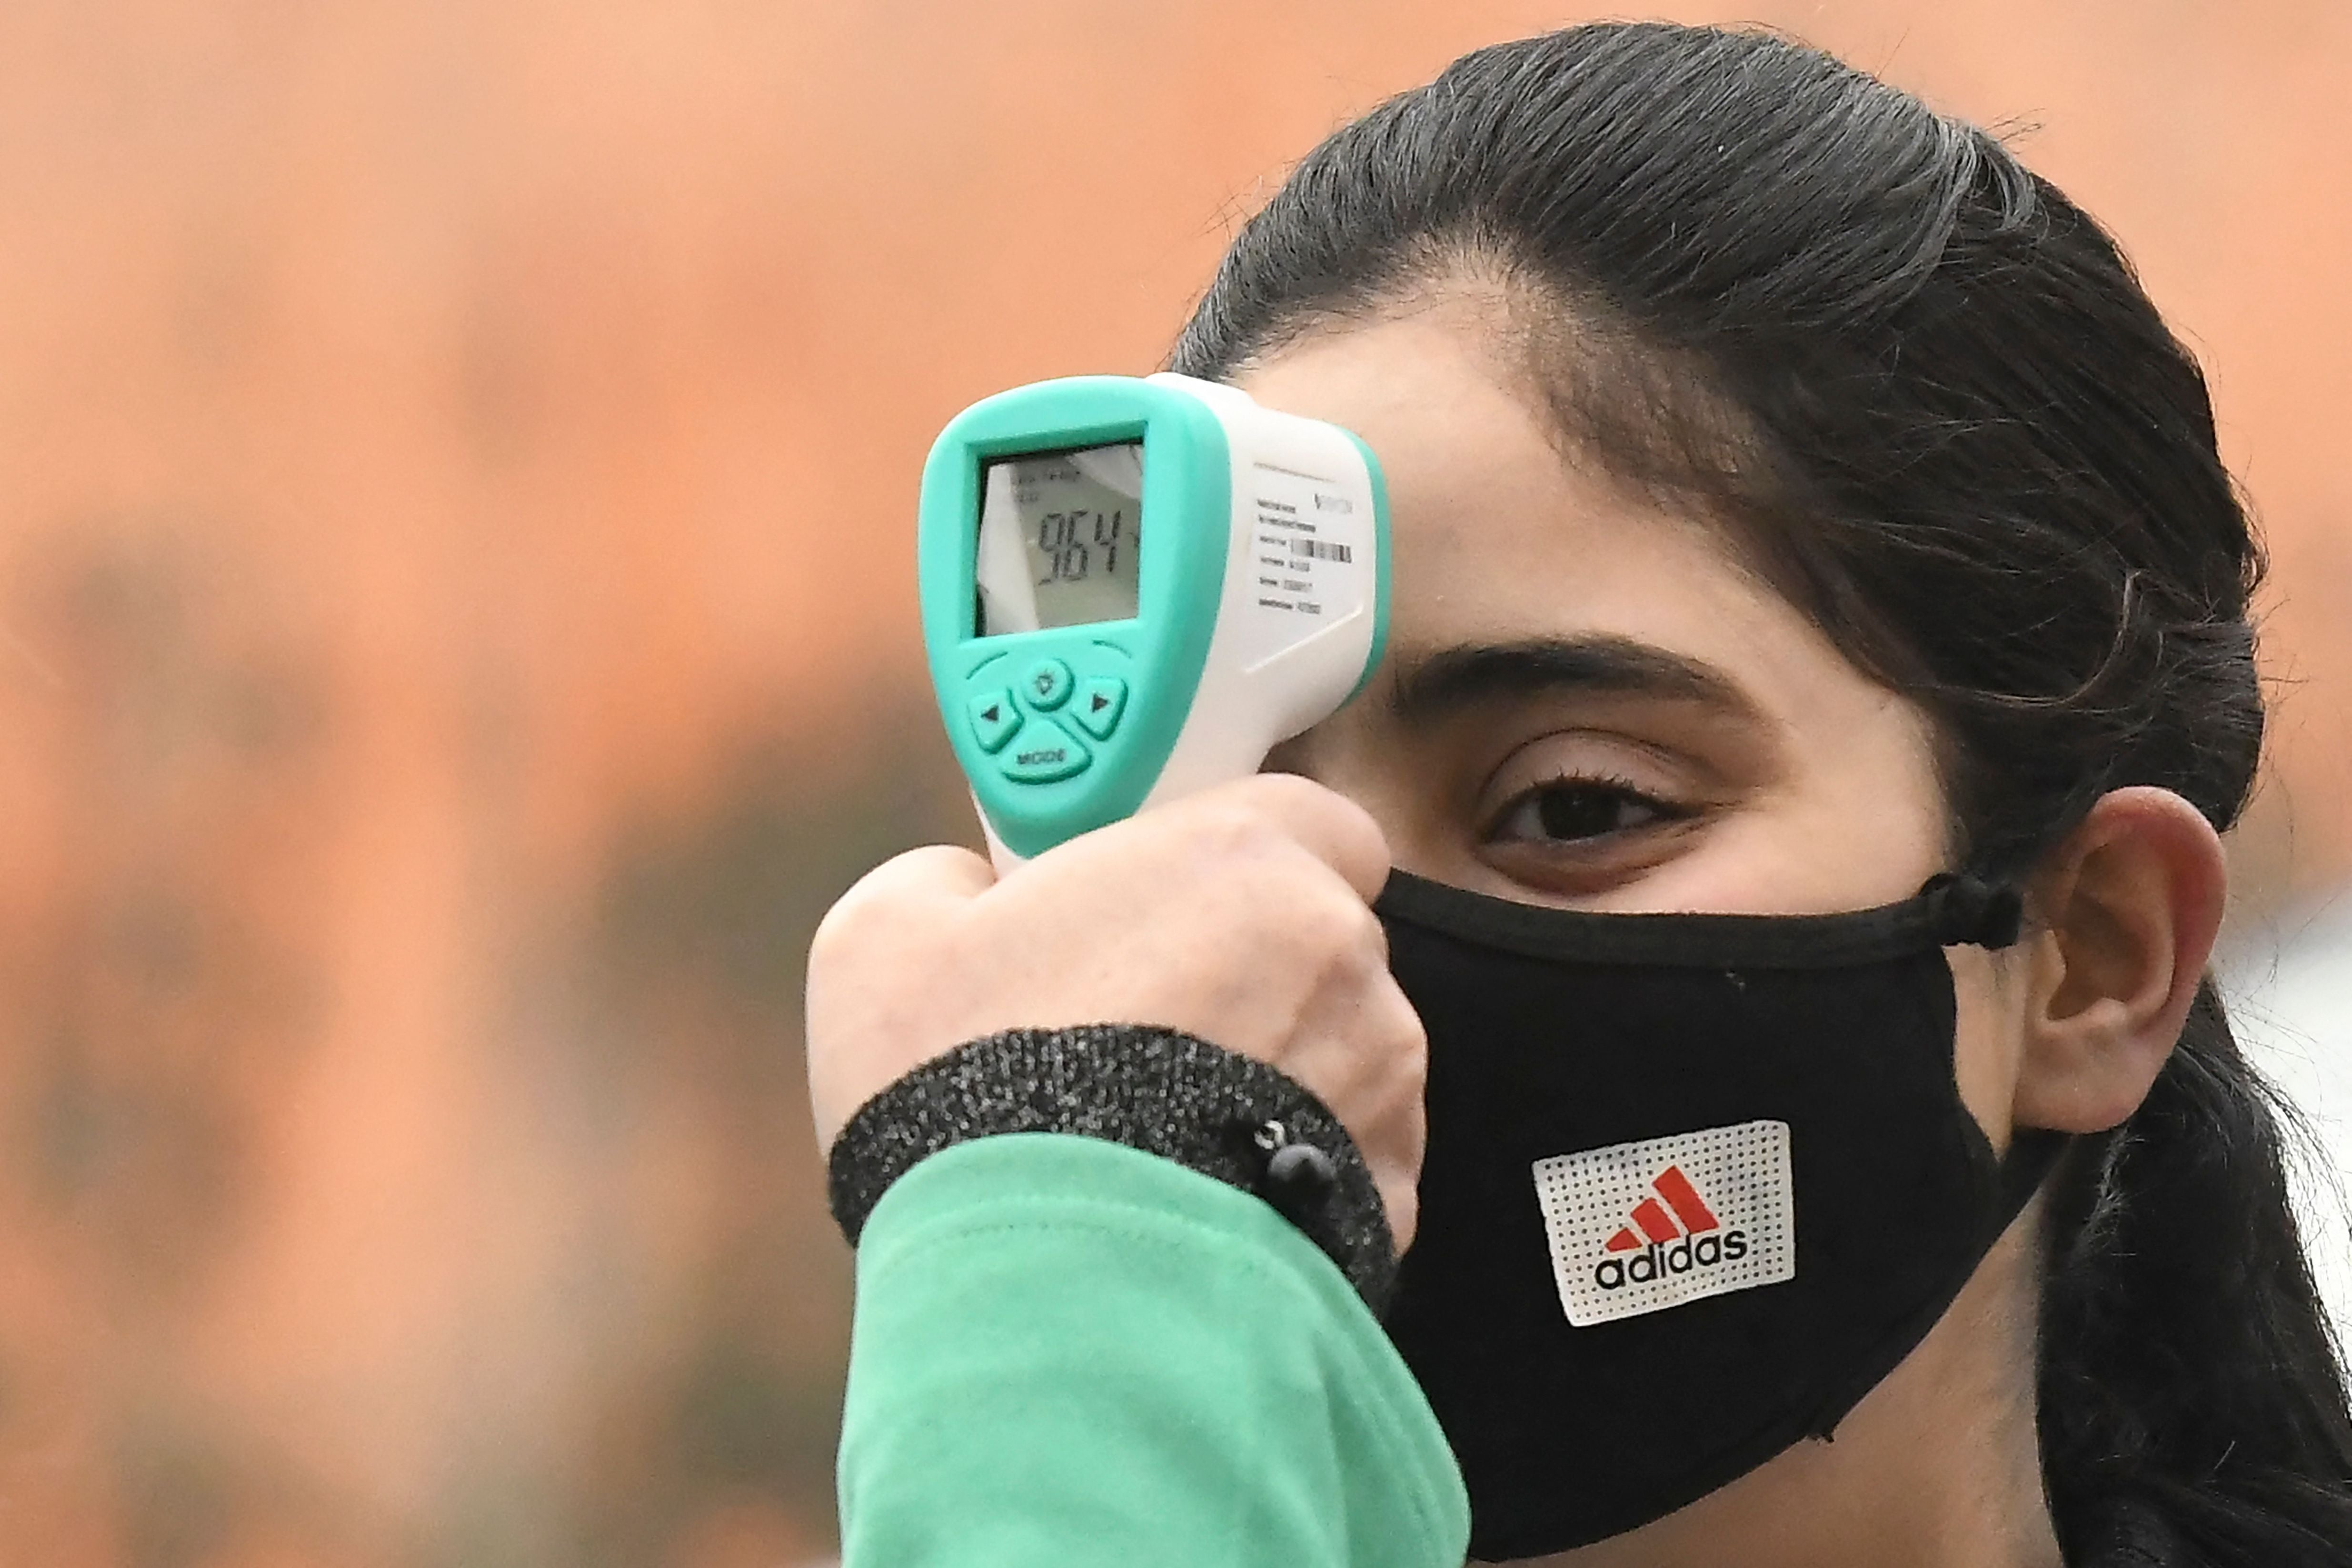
[1927,393]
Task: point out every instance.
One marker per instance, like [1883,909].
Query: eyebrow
[1435,685]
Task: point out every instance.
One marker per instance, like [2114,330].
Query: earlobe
[2128,908]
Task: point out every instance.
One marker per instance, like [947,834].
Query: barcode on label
[1321,549]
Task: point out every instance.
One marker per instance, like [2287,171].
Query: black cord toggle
[1298,1176]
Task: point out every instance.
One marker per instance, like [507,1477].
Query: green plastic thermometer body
[1135,588]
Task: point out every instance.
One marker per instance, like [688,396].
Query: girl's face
[1588,700]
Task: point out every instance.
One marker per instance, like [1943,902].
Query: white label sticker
[1640,1228]
[1306,544]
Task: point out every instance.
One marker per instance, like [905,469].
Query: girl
[1819,670]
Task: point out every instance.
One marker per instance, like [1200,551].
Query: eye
[1573,810]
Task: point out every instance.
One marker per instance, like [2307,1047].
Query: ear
[2127,907]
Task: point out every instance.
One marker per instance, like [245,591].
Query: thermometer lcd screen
[1060,538]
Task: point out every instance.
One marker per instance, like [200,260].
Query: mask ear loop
[1968,910]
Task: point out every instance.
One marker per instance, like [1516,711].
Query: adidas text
[1660,1262]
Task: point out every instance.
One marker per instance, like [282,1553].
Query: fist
[1240,916]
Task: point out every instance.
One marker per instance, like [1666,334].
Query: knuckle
[1358,827]
[1227,830]
[1412,1052]
[1413,1042]
[1283,789]
[1405,1046]
[1358,820]
[1334,923]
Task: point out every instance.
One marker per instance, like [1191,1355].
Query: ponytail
[2188,1369]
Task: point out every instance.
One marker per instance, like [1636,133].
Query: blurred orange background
[458,633]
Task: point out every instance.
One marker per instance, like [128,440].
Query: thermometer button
[1047,684]
[994,719]
[1100,703]
[1043,752]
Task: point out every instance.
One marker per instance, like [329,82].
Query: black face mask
[1695,1185]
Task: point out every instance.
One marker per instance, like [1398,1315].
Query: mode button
[1042,753]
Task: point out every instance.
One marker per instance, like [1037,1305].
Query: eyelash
[1619,792]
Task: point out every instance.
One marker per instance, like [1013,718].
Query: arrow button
[994,719]
[1101,702]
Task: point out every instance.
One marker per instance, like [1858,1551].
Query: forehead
[1500,537]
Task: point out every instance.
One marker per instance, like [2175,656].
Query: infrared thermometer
[1135,588]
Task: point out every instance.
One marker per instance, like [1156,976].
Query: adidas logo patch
[1638,1227]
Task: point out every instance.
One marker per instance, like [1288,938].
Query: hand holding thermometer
[1132,589]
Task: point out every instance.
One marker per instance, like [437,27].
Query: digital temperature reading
[1060,539]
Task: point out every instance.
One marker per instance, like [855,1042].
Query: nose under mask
[1695,1185]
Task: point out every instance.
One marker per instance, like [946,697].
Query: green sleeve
[1070,1352]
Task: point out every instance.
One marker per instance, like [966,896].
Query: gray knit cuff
[1210,1110]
